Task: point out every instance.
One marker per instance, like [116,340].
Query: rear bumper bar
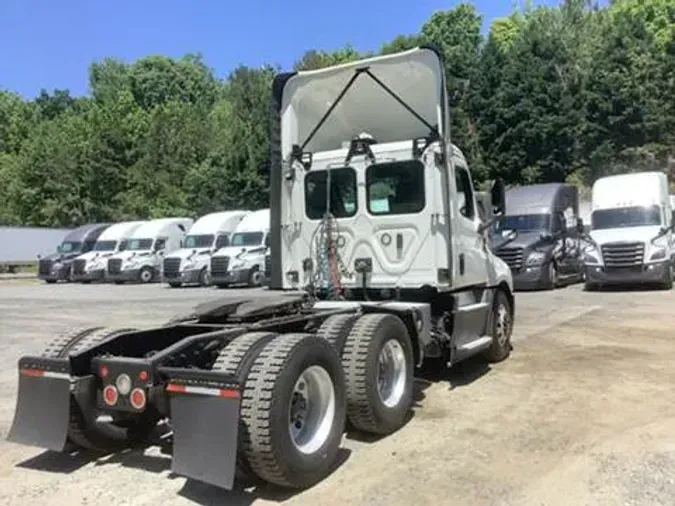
[203,407]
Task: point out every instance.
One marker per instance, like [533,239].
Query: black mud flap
[43,404]
[204,408]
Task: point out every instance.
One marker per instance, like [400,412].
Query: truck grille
[512,256]
[78,266]
[268,266]
[45,267]
[114,266]
[172,267]
[219,266]
[623,255]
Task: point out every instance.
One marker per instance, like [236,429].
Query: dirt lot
[582,414]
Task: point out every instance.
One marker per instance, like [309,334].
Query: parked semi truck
[58,266]
[631,231]
[243,261]
[265,383]
[539,236]
[190,263]
[141,260]
[91,266]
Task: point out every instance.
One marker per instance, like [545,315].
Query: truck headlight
[536,258]
[658,253]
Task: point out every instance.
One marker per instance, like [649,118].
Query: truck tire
[336,328]
[500,327]
[668,279]
[146,275]
[204,277]
[552,276]
[255,277]
[236,359]
[298,374]
[85,433]
[379,365]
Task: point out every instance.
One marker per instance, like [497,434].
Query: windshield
[105,245]
[523,223]
[247,239]
[199,241]
[69,247]
[626,217]
[139,244]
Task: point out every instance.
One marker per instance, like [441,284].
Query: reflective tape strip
[214,392]
[36,373]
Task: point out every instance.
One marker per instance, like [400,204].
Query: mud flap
[43,404]
[205,420]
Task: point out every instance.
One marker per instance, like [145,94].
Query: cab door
[471,258]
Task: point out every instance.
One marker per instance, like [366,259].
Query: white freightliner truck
[359,296]
[631,232]
[91,266]
[190,264]
[243,261]
[141,260]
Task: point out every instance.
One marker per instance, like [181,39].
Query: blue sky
[50,44]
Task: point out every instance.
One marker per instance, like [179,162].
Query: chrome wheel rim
[312,409]
[391,373]
[146,276]
[206,278]
[503,325]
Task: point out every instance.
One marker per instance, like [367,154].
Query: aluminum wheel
[312,409]
[146,275]
[503,325]
[391,373]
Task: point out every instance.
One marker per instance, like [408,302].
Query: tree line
[549,94]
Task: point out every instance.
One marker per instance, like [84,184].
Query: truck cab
[539,236]
[190,263]
[243,260]
[631,232]
[91,266]
[57,266]
[379,262]
[141,260]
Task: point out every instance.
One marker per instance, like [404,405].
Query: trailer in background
[20,246]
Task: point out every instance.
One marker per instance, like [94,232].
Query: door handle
[461,263]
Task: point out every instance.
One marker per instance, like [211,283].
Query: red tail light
[110,395]
[137,398]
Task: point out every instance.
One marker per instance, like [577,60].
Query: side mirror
[580,226]
[498,196]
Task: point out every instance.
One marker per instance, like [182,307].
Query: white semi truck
[141,260]
[190,264]
[631,232]
[359,296]
[91,266]
[243,261]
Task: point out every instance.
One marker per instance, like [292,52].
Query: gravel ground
[581,414]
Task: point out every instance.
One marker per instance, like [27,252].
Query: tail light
[110,395]
[138,398]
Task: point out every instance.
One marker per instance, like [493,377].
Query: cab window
[223,241]
[395,188]
[464,192]
[342,193]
